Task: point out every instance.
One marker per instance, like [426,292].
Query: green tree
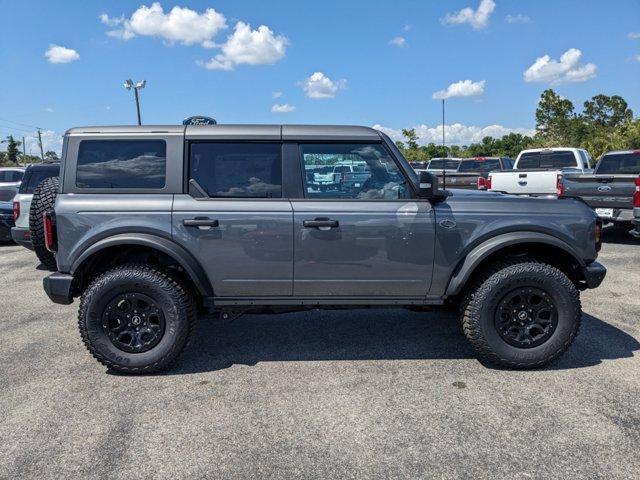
[50,156]
[606,111]
[11,155]
[553,114]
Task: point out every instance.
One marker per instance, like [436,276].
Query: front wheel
[136,319]
[522,315]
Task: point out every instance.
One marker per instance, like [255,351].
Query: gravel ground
[367,393]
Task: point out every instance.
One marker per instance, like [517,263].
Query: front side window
[122,164]
[237,170]
[352,171]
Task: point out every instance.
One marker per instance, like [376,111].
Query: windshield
[621,163]
[480,165]
[443,164]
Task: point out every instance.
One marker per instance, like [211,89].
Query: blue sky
[351,62]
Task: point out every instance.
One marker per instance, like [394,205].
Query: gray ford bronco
[153,225]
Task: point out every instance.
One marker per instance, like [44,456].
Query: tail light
[636,194]
[50,237]
[487,183]
[482,183]
[16,211]
[559,186]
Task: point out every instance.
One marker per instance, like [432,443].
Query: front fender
[480,252]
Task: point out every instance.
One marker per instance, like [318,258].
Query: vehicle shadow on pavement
[366,335]
[618,235]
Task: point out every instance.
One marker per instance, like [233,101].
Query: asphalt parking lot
[370,393]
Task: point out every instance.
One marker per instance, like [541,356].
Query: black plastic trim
[594,274]
[58,287]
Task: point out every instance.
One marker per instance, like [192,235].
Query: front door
[365,236]
[240,229]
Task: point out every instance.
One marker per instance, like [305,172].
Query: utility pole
[24,155]
[40,143]
[443,143]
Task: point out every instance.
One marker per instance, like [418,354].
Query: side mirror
[428,186]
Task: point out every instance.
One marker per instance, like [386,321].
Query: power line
[18,123]
[16,128]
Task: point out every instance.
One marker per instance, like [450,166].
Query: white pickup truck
[538,172]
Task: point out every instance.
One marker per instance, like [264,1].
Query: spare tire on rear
[44,198]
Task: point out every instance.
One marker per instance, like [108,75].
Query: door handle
[200,222]
[321,223]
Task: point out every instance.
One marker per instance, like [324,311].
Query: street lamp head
[141,84]
[128,84]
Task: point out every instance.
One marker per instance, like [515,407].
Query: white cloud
[50,141]
[519,18]
[277,94]
[407,28]
[48,109]
[567,70]
[463,88]
[318,86]
[248,47]
[58,54]
[398,42]
[180,24]
[636,58]
[284,108]
[633,35]
[478,19]
[455,134]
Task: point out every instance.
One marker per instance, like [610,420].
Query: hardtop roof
[240,131]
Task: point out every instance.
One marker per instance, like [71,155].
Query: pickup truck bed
[608,192]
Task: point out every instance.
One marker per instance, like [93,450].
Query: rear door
[242,233]
[373,240]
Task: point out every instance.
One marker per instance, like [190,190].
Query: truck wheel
[135,319]
[522,314]
[44,198]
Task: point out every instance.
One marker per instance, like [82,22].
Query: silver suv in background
[33,176]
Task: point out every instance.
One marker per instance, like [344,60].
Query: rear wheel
[44,198]
[522,314]
[136,319]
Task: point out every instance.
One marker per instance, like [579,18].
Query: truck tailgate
[601,191]
[521,182]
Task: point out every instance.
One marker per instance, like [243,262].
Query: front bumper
[58,287]
[22,236]
[594,274]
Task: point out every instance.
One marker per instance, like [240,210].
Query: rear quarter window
[122,164]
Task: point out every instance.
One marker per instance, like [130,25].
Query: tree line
[13,157]
[605,123]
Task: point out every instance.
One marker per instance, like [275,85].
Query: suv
[153,224]
[33,176]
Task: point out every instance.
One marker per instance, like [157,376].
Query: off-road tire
[44,198]
[479,306]
[175,301]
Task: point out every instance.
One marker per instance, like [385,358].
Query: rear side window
[619,163]
[480,165]
[10,176]
[35,177]
[547,160]
[237,170]
[122,164]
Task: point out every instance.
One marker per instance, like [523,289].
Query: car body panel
[379,248]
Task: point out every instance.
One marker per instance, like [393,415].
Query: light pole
[128,84]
